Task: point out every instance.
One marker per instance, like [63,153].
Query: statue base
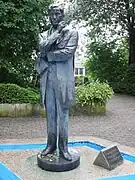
[52,162]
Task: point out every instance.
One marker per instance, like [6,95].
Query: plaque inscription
[109,158]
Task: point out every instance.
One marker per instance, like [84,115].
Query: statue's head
[56,15]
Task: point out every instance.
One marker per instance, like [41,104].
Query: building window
[80,71]
[76,71]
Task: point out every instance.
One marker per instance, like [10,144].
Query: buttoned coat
[62,55]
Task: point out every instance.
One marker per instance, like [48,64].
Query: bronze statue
[57,89]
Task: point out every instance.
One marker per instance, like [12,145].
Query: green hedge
[14,94]
[130,80]
[90,98]
[127,84]
[91,94]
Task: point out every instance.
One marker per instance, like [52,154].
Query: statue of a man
[55,66]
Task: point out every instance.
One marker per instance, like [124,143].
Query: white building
[80,52]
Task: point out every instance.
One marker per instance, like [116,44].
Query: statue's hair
[56,7]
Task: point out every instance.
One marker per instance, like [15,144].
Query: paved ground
[117,125]
[24,164]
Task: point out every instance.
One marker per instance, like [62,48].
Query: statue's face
[56,16]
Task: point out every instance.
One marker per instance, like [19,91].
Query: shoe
[66,155]
[47,150]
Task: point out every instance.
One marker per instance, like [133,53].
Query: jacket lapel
[60,38]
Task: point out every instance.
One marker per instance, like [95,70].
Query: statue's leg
[51,120]
[63,132]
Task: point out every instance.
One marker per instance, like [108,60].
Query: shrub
[79,80]
[130,80]
[14,94]
[91,98]
[127,85]
[93,94]
[108,62]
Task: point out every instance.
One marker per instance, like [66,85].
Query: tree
[108,62]
[20,23]
[109,14]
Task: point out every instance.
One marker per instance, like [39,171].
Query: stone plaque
[109,158]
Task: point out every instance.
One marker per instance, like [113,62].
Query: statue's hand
[64,30]
[61,26]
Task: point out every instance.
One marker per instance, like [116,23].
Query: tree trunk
[132,46]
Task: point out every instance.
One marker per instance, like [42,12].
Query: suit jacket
[62,54]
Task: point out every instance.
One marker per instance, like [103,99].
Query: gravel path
[117,125]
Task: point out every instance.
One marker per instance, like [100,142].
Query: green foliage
[102,14]
[91,99]
[93,94]
[108,19]
[20,24]
[130,80]
[13,94]
[108,62]
[79,80]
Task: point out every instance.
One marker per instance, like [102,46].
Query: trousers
[56,114]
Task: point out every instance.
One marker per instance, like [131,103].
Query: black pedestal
[57,164]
